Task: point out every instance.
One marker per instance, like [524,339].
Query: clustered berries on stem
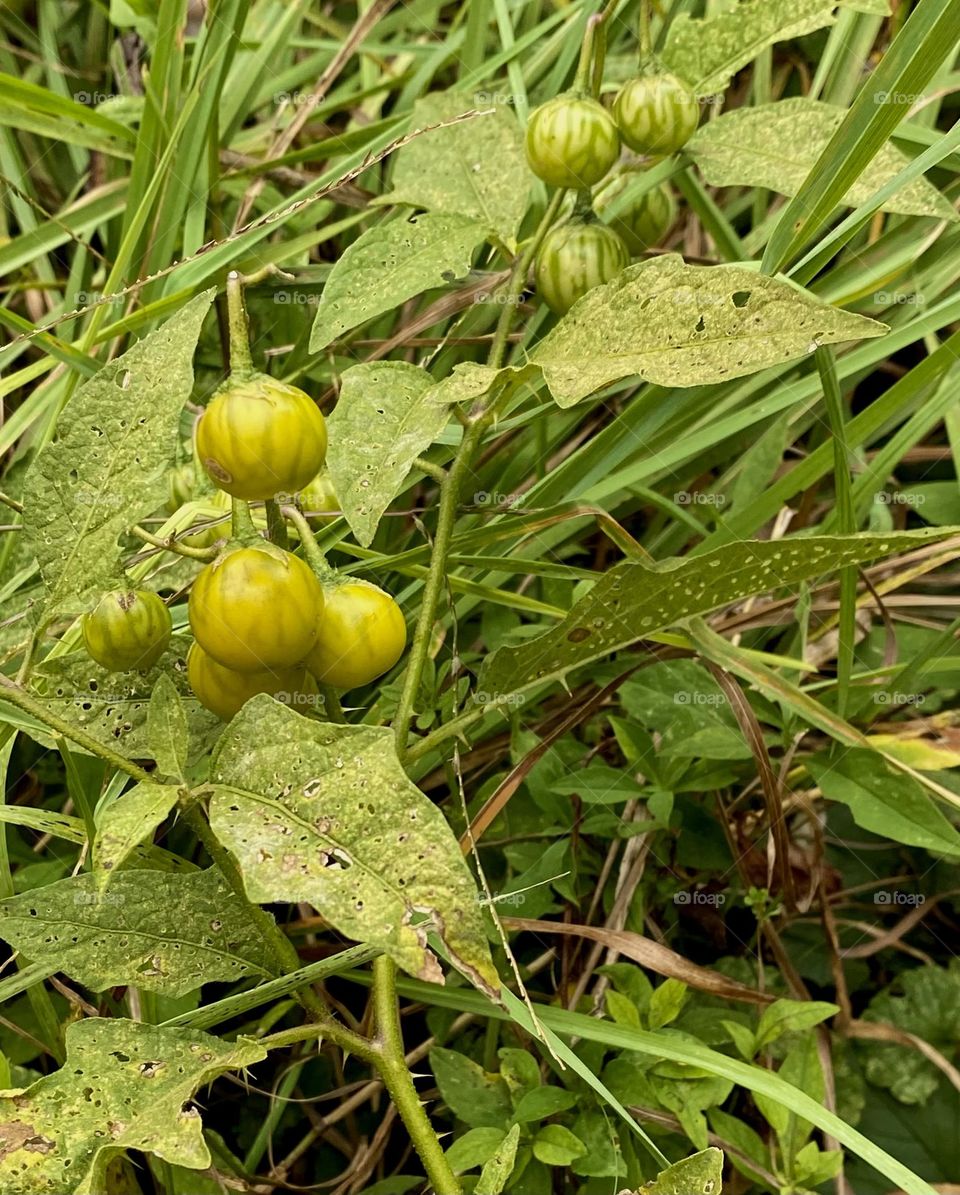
[263,620]
[573,141]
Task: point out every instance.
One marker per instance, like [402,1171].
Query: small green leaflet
[499,1167]
[128,821]
[165,933]
[390,263]
[124,1085]
[884,800]
[381,424]
[680,325]
[700,1174]
[167,727]
[469,381]
[777,145]
[324,813]
[106,466]
[634,600]
[475,168]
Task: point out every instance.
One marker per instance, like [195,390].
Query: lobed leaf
[162,932]
[106,466]
[635,600]
[476,168]
[390,263]
[777,145]
[325,813]
[124,1085]
[680,325]
[381,424]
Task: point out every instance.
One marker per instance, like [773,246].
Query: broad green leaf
[700,1174]
[389,264]
[124,1085]
[635,600]
[680,325]
[380,425]
[164,933]
[73,829]
[126,822]
[499,1167]
[790,1016]
[543,1102]
[106,466]
[666,1003]
[474,1096]
[556,1146]
[476,168]
[167,727]
[884,800]
[924,1001]
[114,706]
[709,52]
[474,1148]
[325,813]
[775,146]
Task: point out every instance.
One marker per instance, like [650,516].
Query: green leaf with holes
[325,814]
[106,467]
[680,325]
[127,822]
[165,933]
[635,600]
[775,146]
[476,168]
[380,426]
[114,706]
[708,52]
[124,1085]
[390,263]
[700,1174]
[167,728]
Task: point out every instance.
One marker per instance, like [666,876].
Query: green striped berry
[575,257]
[644,221]
[127,629]
[572,141]
[656,114]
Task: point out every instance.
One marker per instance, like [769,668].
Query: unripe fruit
[128,628]
[224,692]
[656,114]
[361,635]
[261,437]
[180,485]
[256,609]
[644,223]
[571,141]
[574,258]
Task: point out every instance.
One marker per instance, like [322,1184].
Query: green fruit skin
[256,609]
[127,629]
[644,223]
[360,636]
[571,141]
[260,438]
[574,258]
[656,114]
[225,692]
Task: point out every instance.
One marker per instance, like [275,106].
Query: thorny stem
[398,1081]
[477,423]
[241,362]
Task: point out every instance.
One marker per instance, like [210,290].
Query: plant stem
[241,522]
[171,545]
[583,81]
[241,362]
[276,525]
[331,705]
[646,40]
[399,1082]
[30,705]
[308,541]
